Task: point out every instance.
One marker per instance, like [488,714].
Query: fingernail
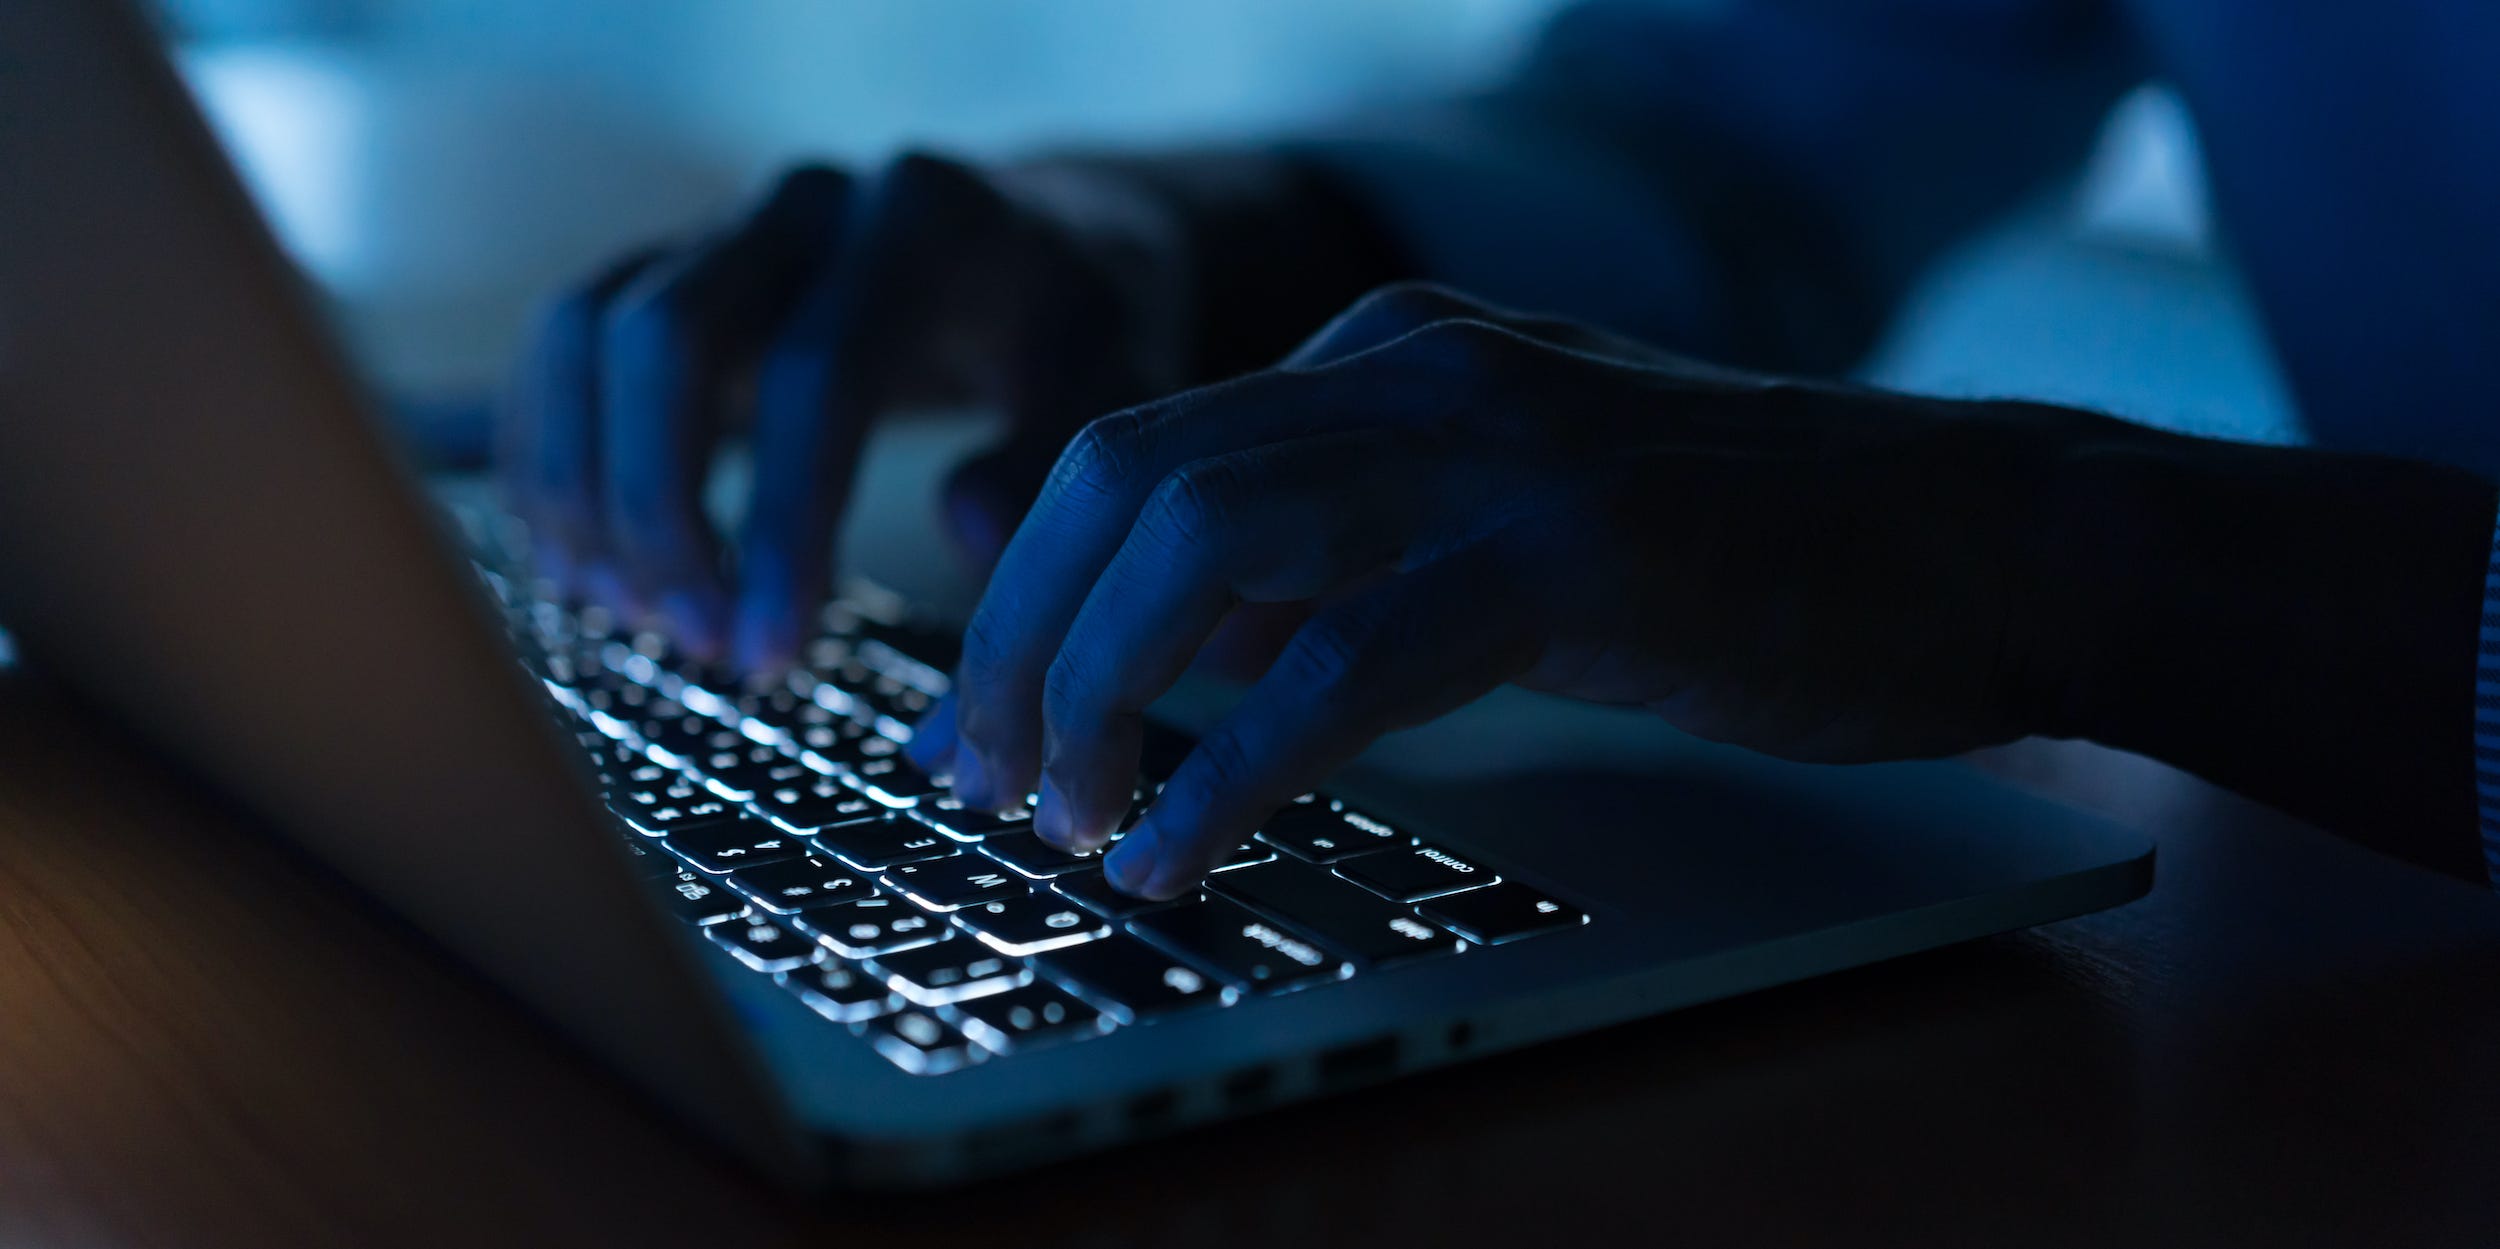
[1051,821]
[1132,866]
[1086,830]
[972,782]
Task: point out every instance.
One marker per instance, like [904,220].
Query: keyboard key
[938,650]
[1350,920]
[1035,857]
[1244,855]
[1246,949]
[802,883]
[949,817]
[949,971]
[870,926]
[874,845]
[1504,912]
[687,736]
[649,861]
[1091,891]
[1132,979]
[638,773]
[749,768]
[1030,924]
[762,944]
[1022,1018]
[1415,873]
[840,991]
[840,744]
[784,715]
[956,881]
[890,698]
[813,802]
[665,809]
[615,707]
[619,766]
[700,899]
[734,845]
[1314,833]
[894,780]
[918,1042]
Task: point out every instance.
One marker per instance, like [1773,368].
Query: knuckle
[1327,658]
[1103,457]
[1071,692]
[1222,765]
[987,653]
[1190,507]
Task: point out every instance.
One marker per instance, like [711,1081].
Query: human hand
[1046,294]
[1472,498]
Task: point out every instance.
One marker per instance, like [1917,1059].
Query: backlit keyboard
[788,824]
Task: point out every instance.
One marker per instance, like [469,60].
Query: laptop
[745,902]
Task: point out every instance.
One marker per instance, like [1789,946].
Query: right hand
[1051,295]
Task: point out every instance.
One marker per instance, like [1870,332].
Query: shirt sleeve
[2487,715]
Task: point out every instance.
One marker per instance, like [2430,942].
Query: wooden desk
[202,1041]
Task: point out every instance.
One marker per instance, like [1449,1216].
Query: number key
[801,884]
[731,846]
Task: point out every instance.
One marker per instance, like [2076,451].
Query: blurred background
[439,166]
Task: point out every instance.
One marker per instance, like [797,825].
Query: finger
[668,342]
[549,443]
[1075,527]
[1405,651]
[881,305]
[1284,523]
[932,745]
[1431,378]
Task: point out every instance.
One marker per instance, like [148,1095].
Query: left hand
[1469,498]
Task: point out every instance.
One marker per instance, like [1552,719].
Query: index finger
[1087,508]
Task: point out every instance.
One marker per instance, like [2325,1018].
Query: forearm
[2297,625]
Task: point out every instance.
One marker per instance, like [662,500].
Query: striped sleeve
[2487,716]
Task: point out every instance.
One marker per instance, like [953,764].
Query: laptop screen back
[199,531]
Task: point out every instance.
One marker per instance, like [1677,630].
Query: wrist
[2297,625]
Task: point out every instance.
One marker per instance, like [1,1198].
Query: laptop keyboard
[788,825]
